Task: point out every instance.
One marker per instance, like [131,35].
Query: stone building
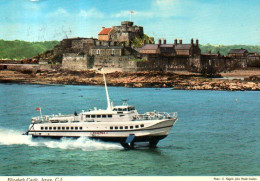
[176,56]
[253,60]
[76,45]
[105,34]
[187,49]
[150,49]
[110,51]
[176,49]
[124,33]
[238,53]
[83,45]
[67,42]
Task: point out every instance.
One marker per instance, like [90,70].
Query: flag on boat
[131,12]
[38,109]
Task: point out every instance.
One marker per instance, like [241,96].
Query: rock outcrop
[138,79]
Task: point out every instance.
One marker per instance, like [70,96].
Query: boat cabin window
[125,109]
[87,116]
[98,116]
[58,128]
[126,127]
[50,128]
[54,128]
[131,108]
[115,109]
[136,126]
[111,127]
[63,128]
[116,127]
[131,127]
[92,116]
[71,128]
[142,125]
[104,116]
[119,109]
[46,128]
[121,127]
[76,128]
[109,116]
[41,128]
[80,128]
[67,128]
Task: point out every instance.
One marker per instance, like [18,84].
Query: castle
[114,51]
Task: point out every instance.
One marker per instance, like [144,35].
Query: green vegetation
[18,49]
[139,42]
[224,49]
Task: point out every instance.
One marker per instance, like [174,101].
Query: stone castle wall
[73,61]
[123,63]
[158,63]
[253,61]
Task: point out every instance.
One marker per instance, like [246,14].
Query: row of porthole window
[126,127]
[61,128]
[99,116]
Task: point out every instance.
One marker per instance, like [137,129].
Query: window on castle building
[113,52]
[98,52]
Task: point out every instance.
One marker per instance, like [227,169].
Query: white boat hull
[152,130]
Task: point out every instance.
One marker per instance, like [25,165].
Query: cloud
[32,6]
[93,13]
[159,8]
[166,3]
[59,12]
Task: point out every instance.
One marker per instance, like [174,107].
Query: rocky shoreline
[138,79]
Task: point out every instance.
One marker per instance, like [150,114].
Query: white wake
[14,137]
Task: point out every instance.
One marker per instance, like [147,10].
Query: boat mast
[108,100]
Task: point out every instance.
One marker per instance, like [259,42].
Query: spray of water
[14,137]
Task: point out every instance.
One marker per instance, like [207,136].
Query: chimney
[197,42]
[191,41]
[103,27]
[164,41]
[180,41]
[160,41]
[175,41]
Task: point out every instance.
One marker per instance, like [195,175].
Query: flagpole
[41,113]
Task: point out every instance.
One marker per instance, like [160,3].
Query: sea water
[217,133]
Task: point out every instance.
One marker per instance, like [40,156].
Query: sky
[218,22]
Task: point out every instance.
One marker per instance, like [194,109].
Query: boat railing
[156,116]
[51,118]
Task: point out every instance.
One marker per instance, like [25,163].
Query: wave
[15,137]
